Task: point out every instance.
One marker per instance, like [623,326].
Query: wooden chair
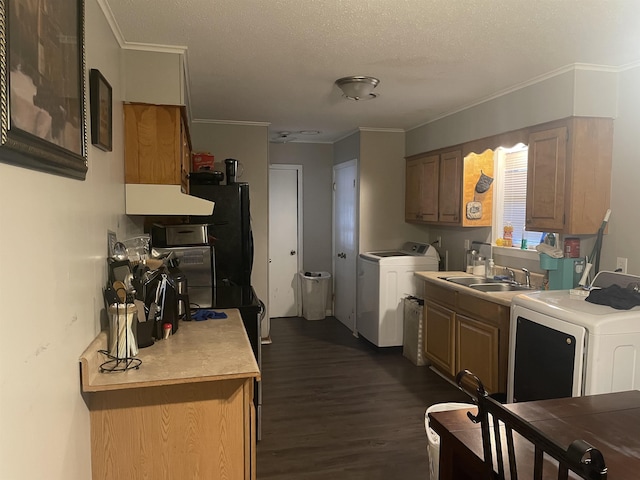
[580,457]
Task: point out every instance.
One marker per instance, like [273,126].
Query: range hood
[144,199]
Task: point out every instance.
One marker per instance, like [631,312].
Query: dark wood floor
[336,407]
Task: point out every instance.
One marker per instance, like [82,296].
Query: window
[511,195]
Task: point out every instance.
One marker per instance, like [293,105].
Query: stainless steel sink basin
[498,287]
[467,280]
[486,284]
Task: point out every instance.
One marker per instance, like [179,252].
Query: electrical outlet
[439,240]
[467,244]
[621,264]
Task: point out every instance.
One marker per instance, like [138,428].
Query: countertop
[209,350]
[502,298]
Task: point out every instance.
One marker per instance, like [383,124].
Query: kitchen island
[466,329]
[187,412]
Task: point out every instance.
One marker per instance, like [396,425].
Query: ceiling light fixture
[283,137]
[286,136]
[358,87]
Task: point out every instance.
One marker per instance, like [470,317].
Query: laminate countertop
[209,350]
[502,298]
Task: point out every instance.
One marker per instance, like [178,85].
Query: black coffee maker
[231,165]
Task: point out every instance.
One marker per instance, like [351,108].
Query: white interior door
[285,227]
[345,242]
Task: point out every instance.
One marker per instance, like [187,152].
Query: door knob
[292,252]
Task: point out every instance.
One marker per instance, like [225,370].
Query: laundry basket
[413,331]
[433,439]
[316,290]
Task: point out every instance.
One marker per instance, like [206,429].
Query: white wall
[624,224]
[249,145]
[53,239]
[382,180]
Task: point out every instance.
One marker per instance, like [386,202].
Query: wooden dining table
[610,422]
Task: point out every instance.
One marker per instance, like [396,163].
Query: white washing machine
[384,279]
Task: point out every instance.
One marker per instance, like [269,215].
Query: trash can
[433,439]
[316,289]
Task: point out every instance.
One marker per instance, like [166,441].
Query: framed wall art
[101,110]
[42,86]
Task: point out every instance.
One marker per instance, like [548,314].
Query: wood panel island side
[187,412]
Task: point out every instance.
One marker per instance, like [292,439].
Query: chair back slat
[580,457]
[538,458]
[510,448]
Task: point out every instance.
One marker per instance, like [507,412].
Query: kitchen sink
[486,284]
[499,287]
[468,280]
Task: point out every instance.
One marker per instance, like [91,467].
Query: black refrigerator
[230,227]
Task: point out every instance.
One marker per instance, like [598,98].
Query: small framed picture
[101,111]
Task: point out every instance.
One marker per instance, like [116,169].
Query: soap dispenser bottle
[490,268]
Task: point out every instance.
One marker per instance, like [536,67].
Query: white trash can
[433,445]
[316,289]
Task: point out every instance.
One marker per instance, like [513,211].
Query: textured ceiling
[276,61]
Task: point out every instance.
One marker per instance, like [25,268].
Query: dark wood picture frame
[43,118]
[101,107]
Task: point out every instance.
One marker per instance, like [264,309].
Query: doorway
[285,240]
[345,241]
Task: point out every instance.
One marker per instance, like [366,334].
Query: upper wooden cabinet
[569,176]
[157,145]
[433,187]
[449,187]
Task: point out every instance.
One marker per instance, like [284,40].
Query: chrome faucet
[511,273]
[527,277]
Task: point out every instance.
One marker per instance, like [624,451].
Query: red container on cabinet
[202,161]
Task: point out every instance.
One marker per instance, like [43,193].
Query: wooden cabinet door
[546,180]
[153,153]
[439,336]
[412,190]
[476,350]
[429,188]
[449,188]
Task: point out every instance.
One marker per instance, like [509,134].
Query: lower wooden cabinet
[476,350]
[466,332]
[439,343]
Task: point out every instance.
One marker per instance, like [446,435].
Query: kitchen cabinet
[187,412]
[421,202]
[433,187]
[439,344]
[476,349]
[569,175]
[463,331]
[157,145]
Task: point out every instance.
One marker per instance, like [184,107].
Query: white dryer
[384,279]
